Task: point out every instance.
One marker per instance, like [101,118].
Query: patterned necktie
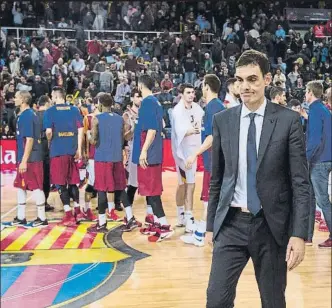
[252,197]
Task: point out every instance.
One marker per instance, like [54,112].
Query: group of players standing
[64,134]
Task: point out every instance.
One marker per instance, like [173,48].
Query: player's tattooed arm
[94,131]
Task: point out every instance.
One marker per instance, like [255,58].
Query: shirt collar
[260,111]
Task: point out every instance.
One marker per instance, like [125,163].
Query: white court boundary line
[79,274]
[13,209]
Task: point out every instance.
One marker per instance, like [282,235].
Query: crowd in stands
[209,37]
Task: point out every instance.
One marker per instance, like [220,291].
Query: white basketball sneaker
[196,238]
[181,220]
[190,225]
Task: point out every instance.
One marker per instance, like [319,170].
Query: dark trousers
[241,237]
[46,184]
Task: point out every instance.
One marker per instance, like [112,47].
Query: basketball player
[30,158]
[147,154]
[107,135]
[90,168]
[130,116]
[210,88]
[44,103]
[186,140]
[64,130]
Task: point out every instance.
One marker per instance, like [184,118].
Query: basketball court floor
[66,267]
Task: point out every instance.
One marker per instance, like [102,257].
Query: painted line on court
[13,209]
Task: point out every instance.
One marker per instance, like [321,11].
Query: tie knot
[252,116]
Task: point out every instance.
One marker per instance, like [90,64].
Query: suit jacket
[282,171]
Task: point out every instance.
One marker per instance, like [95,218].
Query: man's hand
[304,114]
[190,161]
[143,159]
[78,155]
[193,131]
[22,167]
[295,252]
[208,238]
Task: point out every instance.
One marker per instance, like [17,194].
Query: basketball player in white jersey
[130,116]
[186,140]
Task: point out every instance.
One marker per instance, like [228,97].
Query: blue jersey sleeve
[150,115]
[47,120]
[211,110]
[26,125]
[79,118]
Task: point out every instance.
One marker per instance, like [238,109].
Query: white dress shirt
[240,194]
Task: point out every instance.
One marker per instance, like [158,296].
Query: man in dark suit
[259,192]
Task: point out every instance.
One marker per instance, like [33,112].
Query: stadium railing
[120,34]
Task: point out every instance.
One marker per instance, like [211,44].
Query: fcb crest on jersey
[62,266]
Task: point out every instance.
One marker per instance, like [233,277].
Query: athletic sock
[86,206]
[21,200]
[101,219]
[111,206]
[188,215]
[163,221]
[205,210]
[180,210]
[67,208]
[82,174]
[156,219]
[21,211]
[76,204]
[41,212]
[129,212]
[149,210]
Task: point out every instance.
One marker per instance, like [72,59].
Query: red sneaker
[150,229]
[113,216]
[130,225]
[98,229]
[149,219]
[79,215]
[125,221]
[162,233]
[318,216]
[326,245]
[68,220]
[323,226]
[88,215]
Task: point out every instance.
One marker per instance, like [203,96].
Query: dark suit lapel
[234,135]
[269,123]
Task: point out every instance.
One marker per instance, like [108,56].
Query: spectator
[39,88]
[122,91]
[189,65]
[77,64]
[166,83]
[62,23]
[280,77]
[136,51]
[17,15]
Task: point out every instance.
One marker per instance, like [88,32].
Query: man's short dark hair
[213,82]
[254,57]
[135,91]
[60,90]
[294,103]
[275,91]
[106,100]
[184,86]
[229,82]
[43,100]
[147,81]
